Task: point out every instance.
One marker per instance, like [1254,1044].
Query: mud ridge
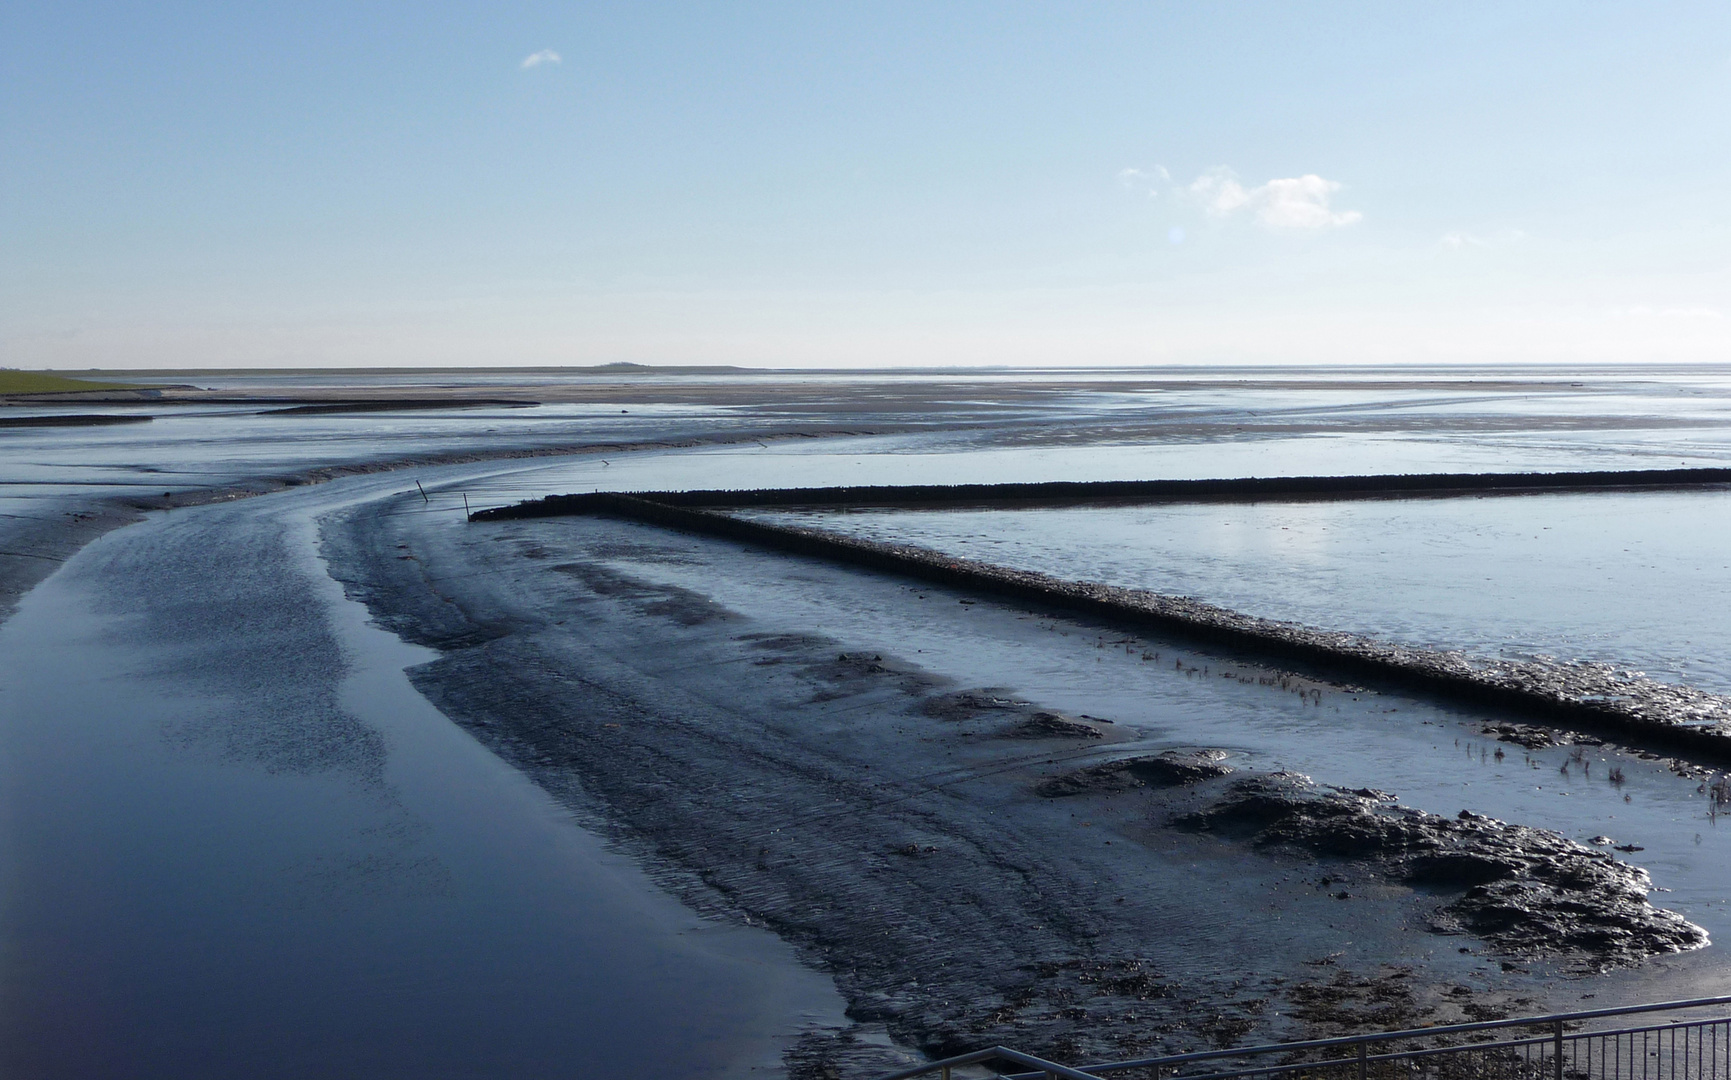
[71,420]
[370,405]
[1073,492]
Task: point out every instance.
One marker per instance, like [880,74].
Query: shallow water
[197,446]
[979,426]
[238,842]
[1633,579]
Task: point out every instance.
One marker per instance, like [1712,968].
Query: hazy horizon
[1411,368]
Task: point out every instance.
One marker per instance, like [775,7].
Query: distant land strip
[1590,697]
[1071,493]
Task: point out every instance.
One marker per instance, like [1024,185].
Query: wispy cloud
[1298,202]
[1148,180]
[1458,240]
[545,56]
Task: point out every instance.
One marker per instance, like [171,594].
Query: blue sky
[863,185]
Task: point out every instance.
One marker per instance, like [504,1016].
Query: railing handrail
[997,1053]
[1093,1071]
[1414,1033]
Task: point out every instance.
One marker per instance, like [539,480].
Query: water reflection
[217,870]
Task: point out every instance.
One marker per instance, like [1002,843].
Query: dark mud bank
[1589,696]
[971,868]
[1527,892]
[71,420]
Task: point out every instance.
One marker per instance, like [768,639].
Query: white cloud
[1298,202]
[545,56]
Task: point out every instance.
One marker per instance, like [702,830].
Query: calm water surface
[239,843]
[1630,579]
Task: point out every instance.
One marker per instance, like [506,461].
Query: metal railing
[1559,1046]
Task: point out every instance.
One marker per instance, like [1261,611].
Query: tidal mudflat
[870,765]
[368,787]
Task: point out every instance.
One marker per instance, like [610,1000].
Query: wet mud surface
[36,541]
[969,860]
[1169,768]
[1584,693]
[971,866]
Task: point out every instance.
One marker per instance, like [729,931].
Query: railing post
[1558,1049]
[1361,1063]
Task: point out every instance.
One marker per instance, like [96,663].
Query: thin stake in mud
[423,492]
[466,513]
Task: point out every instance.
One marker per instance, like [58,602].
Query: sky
[863,185]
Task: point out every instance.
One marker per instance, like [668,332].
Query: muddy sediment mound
[1025,721]
[1170,768]
[1050,725]
[1527,891]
